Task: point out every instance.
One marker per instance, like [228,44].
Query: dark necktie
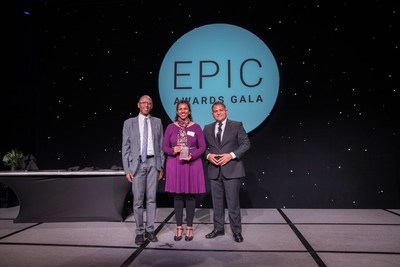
[219,132]
[144,144]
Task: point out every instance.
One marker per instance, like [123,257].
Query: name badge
[190,133]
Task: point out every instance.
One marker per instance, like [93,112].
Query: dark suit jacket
[131,143]
[234,139]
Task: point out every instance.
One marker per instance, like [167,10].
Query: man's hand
[224,159]
[220,159]
[129,177]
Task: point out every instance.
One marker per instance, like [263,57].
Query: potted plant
[13,158]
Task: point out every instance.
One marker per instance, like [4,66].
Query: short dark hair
[218,103]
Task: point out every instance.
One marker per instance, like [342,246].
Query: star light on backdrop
[330,141]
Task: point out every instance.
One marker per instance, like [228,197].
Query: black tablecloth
[69,196]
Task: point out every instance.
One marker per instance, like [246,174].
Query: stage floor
[272,237]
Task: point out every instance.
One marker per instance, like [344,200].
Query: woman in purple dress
[184,145]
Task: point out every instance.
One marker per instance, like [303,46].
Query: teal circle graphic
[220,62]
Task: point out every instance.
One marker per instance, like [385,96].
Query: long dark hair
[183,101]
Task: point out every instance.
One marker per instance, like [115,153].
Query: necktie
[219,132]
[144,141]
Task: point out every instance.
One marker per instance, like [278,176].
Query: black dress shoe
[238,237]
[215,233]
[139,240]
[151,236]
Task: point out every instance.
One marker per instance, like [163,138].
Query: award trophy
[184,154]
[182,142]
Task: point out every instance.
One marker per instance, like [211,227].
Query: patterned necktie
[219,132]
[144,141]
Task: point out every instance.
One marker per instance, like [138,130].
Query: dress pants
[222,188]
[145,185]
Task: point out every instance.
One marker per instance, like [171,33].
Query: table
[63,196]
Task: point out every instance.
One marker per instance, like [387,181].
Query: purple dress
[184,176]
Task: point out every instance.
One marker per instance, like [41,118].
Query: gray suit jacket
[131,144]
[236,140]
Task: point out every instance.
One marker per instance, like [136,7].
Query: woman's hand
[177,149]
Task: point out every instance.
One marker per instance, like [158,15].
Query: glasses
[145,102]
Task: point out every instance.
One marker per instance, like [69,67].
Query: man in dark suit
[227,142]
[143,161]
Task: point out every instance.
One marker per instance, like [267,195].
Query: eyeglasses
[145,102]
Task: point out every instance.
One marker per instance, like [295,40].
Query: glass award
[184,154]
[182,142]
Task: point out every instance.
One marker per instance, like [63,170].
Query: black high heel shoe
[178,235]
[189,233]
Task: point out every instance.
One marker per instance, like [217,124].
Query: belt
[148,156]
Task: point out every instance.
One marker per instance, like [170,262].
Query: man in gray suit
[143,161]
[227,142]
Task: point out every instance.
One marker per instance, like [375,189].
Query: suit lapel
[214,134]
[152,127]
[136,130]
[226,132]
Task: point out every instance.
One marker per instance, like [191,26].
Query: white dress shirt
[150,145]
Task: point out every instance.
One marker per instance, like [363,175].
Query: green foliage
[12,157]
